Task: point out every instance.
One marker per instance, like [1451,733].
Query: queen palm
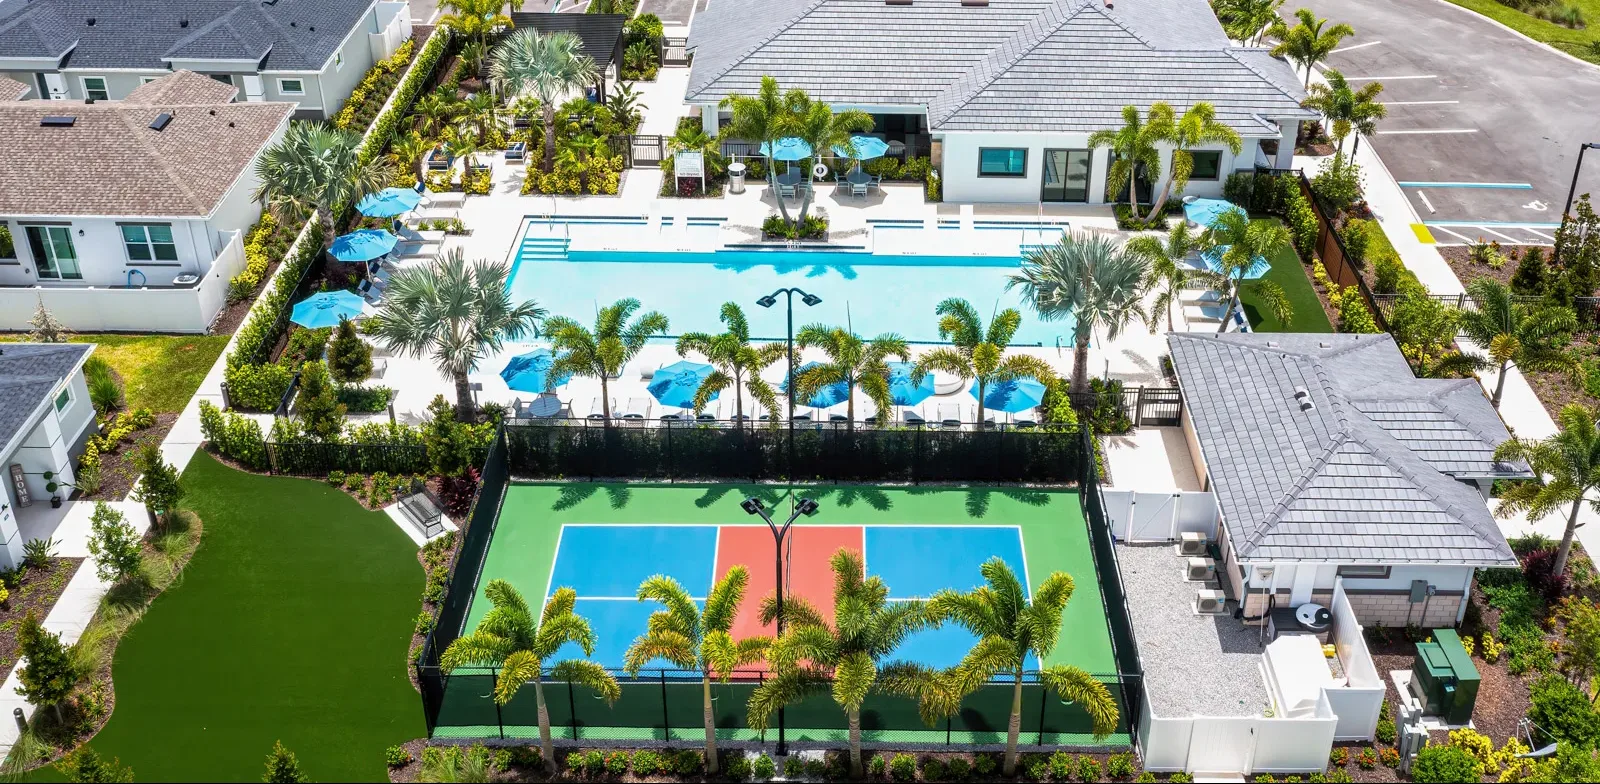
[738,364]
[461,141]
[697,640]
[1346,109]
[456,312]
[851,361]
[406,150]
[824,129]
[549,66]
[481,114]
[1530,336]
[1307,43]
[1247,20]
[1198,126]
[316,168]
[691,137]
[509,639]
[1168,275]
[978,354]
[1246,241]
[602,352]
[1134,148]
[1089,279]
[1010,627]
[763,119]
[474,18]
[845,658]
[1568,467]
[434,111]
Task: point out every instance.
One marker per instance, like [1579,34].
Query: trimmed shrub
[763,768]
[1445,765]
[903,767]
[1563,713]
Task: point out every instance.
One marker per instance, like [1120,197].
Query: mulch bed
[117,470]
[1459,257]
[36,590]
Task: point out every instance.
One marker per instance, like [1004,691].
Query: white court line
[1422,131]
[1424,198]
[1416,103]
[1355,47]
[583,598]
[1452,233]
[549,582]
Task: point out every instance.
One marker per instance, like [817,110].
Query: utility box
[1444,679]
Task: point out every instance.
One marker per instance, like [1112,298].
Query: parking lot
[1484,127]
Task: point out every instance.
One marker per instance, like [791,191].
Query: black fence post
[499,720]
[670,459]
[666,718]
[916,456]
[572,703]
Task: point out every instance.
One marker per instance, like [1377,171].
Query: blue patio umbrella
[789,148]
[830,395]
[1259,266]
[1011,396]
[675,385]
[325,309]
[867,148]
[530,372]
[1206,212]
[363,245]
[902,390]
[389,202]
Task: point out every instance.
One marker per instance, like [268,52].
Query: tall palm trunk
[1161,201]
[1560,566]
[465,411]
[1500,383]
[329,231]
[981,385]
[855,743]
[1080,362]
[1357,146]
[772,181]
[738,401]
[549,138]
[711,728]
[605,397]
[546,748]
[850,409]
[1013,729]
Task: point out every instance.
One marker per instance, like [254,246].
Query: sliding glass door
[53,254]
[1066,175]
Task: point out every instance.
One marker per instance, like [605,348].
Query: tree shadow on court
[978,498]
[715,494]
[574,494]
[849,496]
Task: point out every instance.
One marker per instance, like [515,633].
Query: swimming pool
[871,292]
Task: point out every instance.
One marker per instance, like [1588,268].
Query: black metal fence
[1587,308]
[317,459]
[646,150]
[1119,618]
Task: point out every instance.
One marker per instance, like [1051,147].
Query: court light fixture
[811,300]
[767,301]
[806,507]
[752,505]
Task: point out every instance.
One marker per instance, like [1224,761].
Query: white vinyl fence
[1160,517]
[1238,746]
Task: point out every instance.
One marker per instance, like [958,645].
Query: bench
[423,510]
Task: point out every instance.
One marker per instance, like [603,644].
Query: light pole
[1555,256]
[806,507]
[810,300]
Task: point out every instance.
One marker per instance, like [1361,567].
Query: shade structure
[530,372]
[326,308]
[1206,212]
[1011,396]
[363,245]
[789,148]
[867,148]
[676,384]
[830,395]
[1259,266]
[389,202]
[902,391]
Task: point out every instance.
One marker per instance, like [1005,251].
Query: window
[338,60]
[64,399]
[149,242]
[1207,165]
[291,86]
[224,78]
[147,79]
[44,86]
[94,88]
[1002,162]
[53,253]
[8,243]
[1364,572]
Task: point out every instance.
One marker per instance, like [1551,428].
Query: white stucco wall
[102,257]
[47,447]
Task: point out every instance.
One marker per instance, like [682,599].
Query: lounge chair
[950,415]
[597,410]
[371,293]
[638,408]
[1026,419]
[912,416]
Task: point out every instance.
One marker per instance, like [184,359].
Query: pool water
[872,293]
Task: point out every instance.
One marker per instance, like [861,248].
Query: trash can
[736,177]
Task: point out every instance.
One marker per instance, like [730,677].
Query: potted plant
[52,487]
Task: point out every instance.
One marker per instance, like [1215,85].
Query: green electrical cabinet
[1444,678]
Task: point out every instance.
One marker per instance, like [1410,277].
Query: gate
[1159,406]
[646,151]
[674,51]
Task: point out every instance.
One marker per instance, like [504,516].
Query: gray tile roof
[1326,447]
[1015,65]
[29,375]
[283,35]
[601,33]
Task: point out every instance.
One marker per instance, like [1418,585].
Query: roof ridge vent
[58,121]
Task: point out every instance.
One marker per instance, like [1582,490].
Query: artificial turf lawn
[291,623]
[1306,310]
[159,372]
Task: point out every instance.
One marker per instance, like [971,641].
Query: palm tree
[434,111]
[1246,21]
[844,659]
[1133,149]
[456,312]
[1246,241]
[626,104]
[974,353]
[1567,465]
[601,353]
[508,639]
[693,138]
[1089,278]
[764,119]
[695,639]
[1197,126]
[474,18]
[406,151]
[1168,274]
[851,361]
[548,65]
[1529,335]
[1009,627]
[461,141]
[315,168]
[738,364]
[481,114]
[823,129]
[1307,44]
[1347,109]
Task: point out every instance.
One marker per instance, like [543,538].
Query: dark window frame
[1004,175]
[1363,573]
[1195,154]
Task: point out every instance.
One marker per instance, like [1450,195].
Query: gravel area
[1194,665]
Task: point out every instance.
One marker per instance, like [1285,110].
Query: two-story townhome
[308,52]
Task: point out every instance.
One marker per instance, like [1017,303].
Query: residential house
[45,419]
[129,215]
[1003,94]
[308,52]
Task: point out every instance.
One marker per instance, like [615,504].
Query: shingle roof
[182,87]
[29,375]
[11,89]
[600,33]
[1015,65]
[114,164]
[1325,447]
[289,34]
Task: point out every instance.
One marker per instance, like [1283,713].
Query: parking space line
[1391,78]
[1355,47]
[1419,131]
[1424,198]
[1451,233]
[1500,234]
[1416,103]
[1540,234]
[1513,186]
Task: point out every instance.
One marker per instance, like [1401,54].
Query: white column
[1291,132]
[708,119]
[1100,161]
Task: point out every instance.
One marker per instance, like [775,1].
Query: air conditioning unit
[1200,569]
[1191,543]
[1209,602]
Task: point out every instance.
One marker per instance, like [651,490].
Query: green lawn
[291,622]
[1573,42]
[159,372]
[1307,314]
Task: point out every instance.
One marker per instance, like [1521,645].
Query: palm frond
[586,673]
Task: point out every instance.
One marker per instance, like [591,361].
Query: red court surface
[808,549]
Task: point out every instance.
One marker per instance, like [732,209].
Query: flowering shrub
[374,90]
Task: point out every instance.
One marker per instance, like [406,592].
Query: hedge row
[383,128]
[254,383]
[367,99]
